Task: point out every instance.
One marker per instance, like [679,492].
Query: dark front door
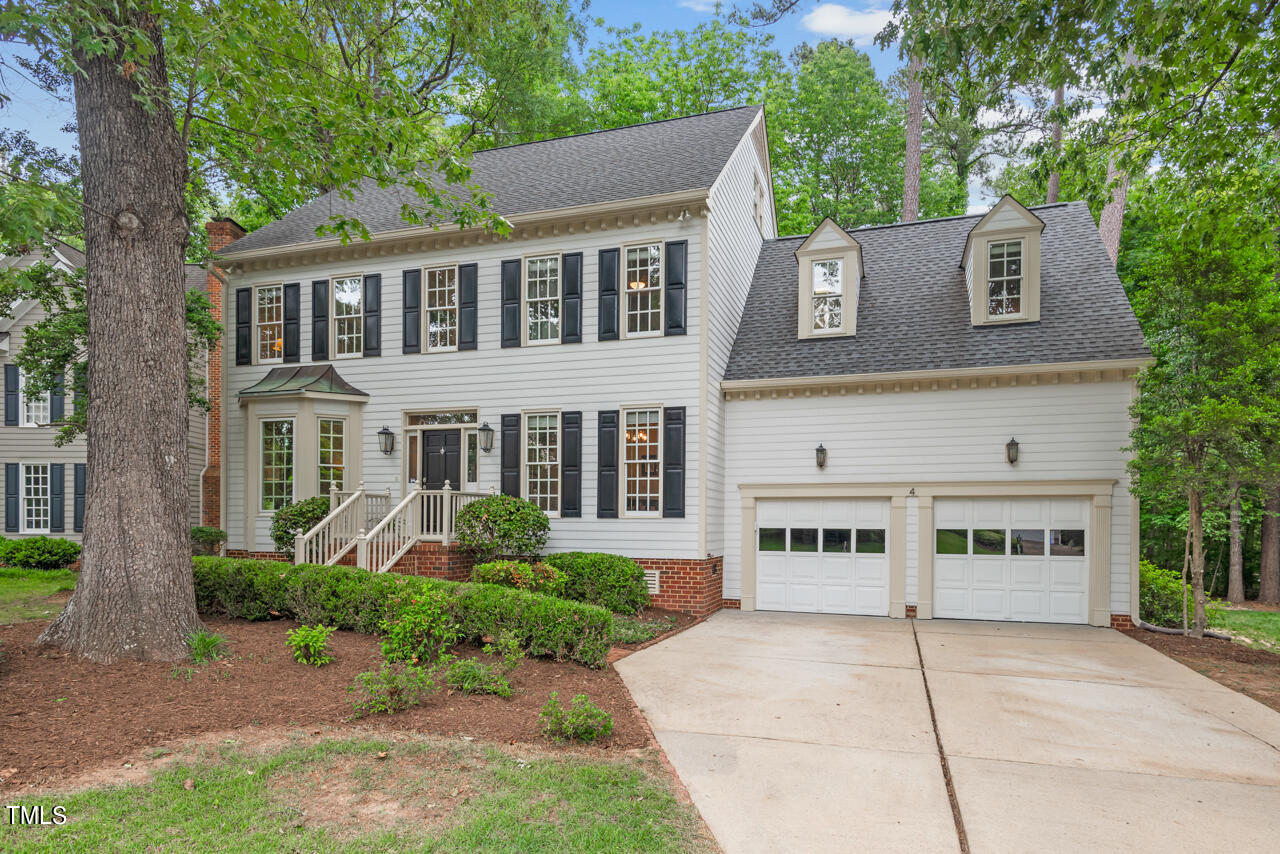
[442,459]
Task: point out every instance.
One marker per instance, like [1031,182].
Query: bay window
[332,437]
[277,463]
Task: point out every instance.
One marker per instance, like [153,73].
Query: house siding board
[587,377]
[1066,432]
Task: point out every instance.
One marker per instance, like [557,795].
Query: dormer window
[1001,264]
[828,296]
[1004,278]
[830,270]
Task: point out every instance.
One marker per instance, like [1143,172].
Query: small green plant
[294,519]
[423,632]
[536,578]
[183,673]
[635,630]
[501,525]
[39,553]
[206,646]
[391,689]
[473,676]
[206,540]
[582,721]
[310,644]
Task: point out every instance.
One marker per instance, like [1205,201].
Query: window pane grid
[348,316]
[442,309]
[1004,278]
[542,461]
[277,463]
[641,457]
[644,289]
[35,497]
[331,457]
[270,317]
[542,298]
[828,295]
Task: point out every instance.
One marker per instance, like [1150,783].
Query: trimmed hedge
[39,552]
[359,600]
[610,581]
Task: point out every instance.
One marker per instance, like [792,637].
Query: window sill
[541,343]
[657,333]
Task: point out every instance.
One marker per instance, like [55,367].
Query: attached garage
[1019,559]
[827,556]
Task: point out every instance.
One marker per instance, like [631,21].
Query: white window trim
[333,317]
[262,428]
[622,461]
[319,465]
[525,415]
[22,403]
[22,498]
[662,289]
[986,280]
[426,310]
[257,358]
[814,296]
[525,341]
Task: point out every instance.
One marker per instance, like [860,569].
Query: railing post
[362,507]
[333,498]
[300,548]
[362,550]
[446,514]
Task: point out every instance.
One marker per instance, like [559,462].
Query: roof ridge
[864,228]
[619,127]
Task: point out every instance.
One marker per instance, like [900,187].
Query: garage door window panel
[952,541]
[871,541]
[989,541]
[804,539]
[1066,542]
[1026,542]
[836,540]
[773,539]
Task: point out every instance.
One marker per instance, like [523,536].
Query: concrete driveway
[808,733]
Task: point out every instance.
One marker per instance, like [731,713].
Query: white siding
[1067,432]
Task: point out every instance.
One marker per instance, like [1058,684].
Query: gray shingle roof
[913,310]
[197,279]
[604,166]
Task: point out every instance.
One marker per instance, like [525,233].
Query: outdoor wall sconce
[386,440]
[821,454]
[486,437]
[1011,451]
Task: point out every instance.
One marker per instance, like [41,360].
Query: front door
[441,459]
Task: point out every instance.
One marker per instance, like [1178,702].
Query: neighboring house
[791,424]
[45,485]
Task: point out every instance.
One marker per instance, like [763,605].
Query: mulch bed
[1253,672]
[62,715]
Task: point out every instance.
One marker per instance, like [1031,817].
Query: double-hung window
[269,317]
[277,463]
[442,309]
[644,289]
[542,299]
[35,497]
[542,460]
[641,455]
[35,408]
[1004,278]
[828,295]
[332,435]
[348,316]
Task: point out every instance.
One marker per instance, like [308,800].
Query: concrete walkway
[812,733]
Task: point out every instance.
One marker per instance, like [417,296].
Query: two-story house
[817,423]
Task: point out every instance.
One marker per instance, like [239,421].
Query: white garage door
[1021,559]
[823,556]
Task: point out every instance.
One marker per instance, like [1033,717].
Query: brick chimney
[222,232]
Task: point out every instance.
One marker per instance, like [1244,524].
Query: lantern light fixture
[821,454]
[386,440]
[1011,451]
[486,437]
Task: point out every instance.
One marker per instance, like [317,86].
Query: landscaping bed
[1253,672]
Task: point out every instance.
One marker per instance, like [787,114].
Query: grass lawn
[1259,629]
[412,793]
[24,593]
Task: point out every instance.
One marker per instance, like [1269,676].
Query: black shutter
[571,323]
[412,330]
[607,465]
[571,468]
[11,395]
[320,319]
[244,326]
[373,314]
[511,454]
[11,496]
[677,272]
[511,303]
[57,487]
[58,401]
[468,275]
[673,429]
[292,322]
[608,278]
[77,507]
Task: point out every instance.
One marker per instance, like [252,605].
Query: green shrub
[501,525]
[1160,597]
[423,632]
[635,630]
[473,676]
[358,600]
[536,578]
[610,581]
[39,553]
[294,519]
[310,644]
[206,646]
[582,721]
[206,540]
[391,689]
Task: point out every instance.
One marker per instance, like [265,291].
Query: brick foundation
[690,586]
[435,560]
[731,604]
[1121,621]
[248,555]
[911,612]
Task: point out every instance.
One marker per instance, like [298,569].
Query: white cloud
[706,7]
[832,19]
[977,209]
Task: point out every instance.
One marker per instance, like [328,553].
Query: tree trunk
[1112,218]
[1235,567]
[1269,571]
[135,597]
[1051,194]
[1195,520]
[915,123]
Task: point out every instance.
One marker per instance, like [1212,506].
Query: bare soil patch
[1253,672]
[63,717]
